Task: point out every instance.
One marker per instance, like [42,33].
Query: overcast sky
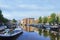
[20,9]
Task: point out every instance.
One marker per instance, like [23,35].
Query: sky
[19,9]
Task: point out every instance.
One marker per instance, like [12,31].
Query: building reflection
[43,32]
[28,28]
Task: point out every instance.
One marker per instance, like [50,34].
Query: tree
[50,21]
[14,20]
[4,20]
[45,19]
[1,16]
[53,15]
[57,20]
[53,18]
[40,19]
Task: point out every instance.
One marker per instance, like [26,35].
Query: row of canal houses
[26,21]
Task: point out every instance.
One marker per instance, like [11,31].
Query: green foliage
[53,18]
[14,20]
[45,19]
[4,20]
[57,19]
[1,16]
[53,15]
[50,21]
[40,19]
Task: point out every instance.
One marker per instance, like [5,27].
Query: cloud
[36,7]
[9,16]
[4,6]
[28,8]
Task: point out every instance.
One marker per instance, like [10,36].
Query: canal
[38,34]
[33,33]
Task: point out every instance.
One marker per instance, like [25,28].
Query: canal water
[39,34]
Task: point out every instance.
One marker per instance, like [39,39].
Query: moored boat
[10,33]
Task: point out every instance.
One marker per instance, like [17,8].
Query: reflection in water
[43,32]
[28,28]
[11,38]
[52,36]
[40,31]
[33,33]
